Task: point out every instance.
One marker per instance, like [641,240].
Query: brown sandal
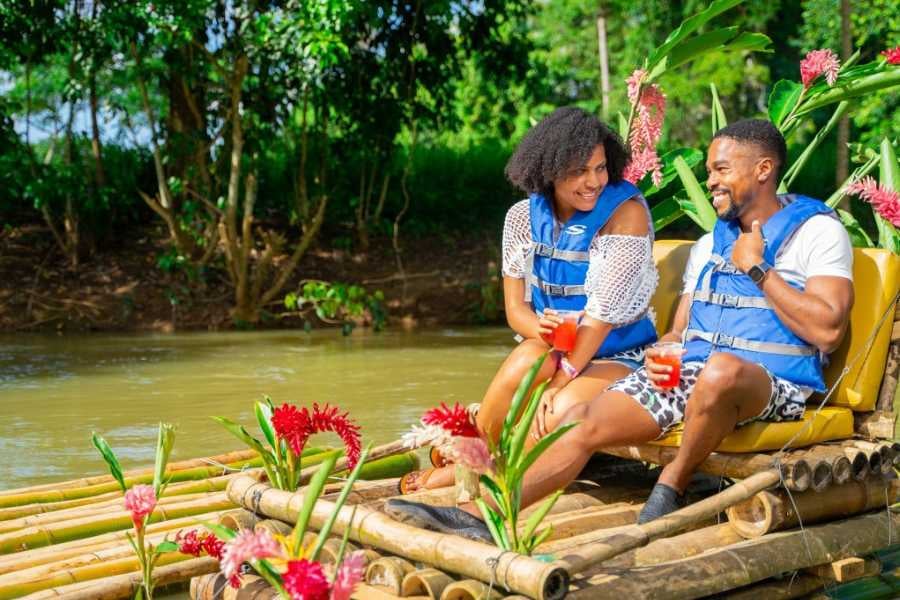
[414,481]
[438,460]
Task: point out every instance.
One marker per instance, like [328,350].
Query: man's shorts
[786,403]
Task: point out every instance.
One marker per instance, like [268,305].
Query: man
[766,296]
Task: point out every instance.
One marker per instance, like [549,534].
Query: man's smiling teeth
[719,196]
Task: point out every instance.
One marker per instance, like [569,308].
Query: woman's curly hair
[563,140]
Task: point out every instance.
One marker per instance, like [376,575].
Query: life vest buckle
[721,339]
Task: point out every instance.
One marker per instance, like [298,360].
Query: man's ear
[765,169]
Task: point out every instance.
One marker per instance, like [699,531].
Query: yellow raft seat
[876,275]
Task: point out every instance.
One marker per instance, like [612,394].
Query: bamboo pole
[745,563]
[872,454]
[425,582]
[774,510]
[35,537]
[884,449]
[208,587]
[635,536]
[576,522]
[383,451]
[124,586]
[39,556]
[239,519]
[677,547]
[388,573]
[472,559]
[469,589]
[733,466]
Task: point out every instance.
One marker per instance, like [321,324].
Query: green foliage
[338,303]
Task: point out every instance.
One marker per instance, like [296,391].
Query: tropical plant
[140,500]
[334,302]
[884,197]
[286,430]
[290,563]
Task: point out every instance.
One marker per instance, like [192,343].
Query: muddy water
[56,390]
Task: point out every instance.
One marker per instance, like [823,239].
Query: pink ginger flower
[634,84]
[882,199]
[472,453]
[818,62]
[643,162]
[247,546]
[305,580]
[892,55]
[140,501]
[646,129]
[348,575]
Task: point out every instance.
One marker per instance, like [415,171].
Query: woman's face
[579,188]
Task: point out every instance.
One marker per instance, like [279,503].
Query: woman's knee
[563,402]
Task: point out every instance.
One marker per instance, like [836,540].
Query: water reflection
[55,390]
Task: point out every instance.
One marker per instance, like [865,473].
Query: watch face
[756,273]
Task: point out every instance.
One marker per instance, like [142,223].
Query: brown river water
[56,390]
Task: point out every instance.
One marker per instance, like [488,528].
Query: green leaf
[520,434]
[782,100]
[346,538]
[339,503]
[718,113]
[164,442]
[539,539]
[857,234]
[689,26]
[264,418]
[705,212]
[109,457]
[811,147]
[623,125]
[268,459]
[516,404]
[538,515]
[542,445]
[494,524]
[889,177]
[690,49]
[167,546]
[220,531]
[666,212]
[310,496]
[749,41]
[494,490]
[855,87]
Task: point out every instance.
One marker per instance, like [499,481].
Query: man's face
[733,176]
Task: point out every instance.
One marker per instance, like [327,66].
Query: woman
[582,240]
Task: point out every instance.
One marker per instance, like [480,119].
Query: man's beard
[733,212]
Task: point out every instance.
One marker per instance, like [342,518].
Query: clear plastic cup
[669,353]
[565,333]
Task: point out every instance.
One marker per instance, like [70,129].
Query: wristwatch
[758,272]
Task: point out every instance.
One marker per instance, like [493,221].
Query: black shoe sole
[416,516]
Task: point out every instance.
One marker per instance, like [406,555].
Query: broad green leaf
[325,531]
[623,125]
[857,234]
[691,155]
[718,113]
[704,210]
[310,495]
[164,442]
[666,212]
[538,515]
[240,433]
[689,26]
[542,445]
[524,425]
[264,418]
[494,490]
[516,404]
[695,46]
[811,147]
[851,89]
[782,100]
[167,546]
[749,41]
[494,524]
[220,531]
[109,457]
[889,177]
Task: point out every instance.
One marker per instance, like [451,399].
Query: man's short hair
[762,133]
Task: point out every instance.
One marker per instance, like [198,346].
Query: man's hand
[748,249]
[657,371]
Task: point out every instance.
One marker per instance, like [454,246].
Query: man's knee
[722,374]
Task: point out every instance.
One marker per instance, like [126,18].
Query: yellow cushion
[831,423]
[671,258]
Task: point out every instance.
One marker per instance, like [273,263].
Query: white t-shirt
[819,247]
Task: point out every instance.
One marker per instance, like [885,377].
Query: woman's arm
[521,316]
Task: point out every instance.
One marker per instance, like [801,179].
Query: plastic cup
[669,353]
[565,333]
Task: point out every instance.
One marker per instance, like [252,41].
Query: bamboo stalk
[388,573]
[885,451]
[733,466]
[425,582]
[124,586]
[678,547]
[239,519]
[745,563]
[208,587]
[469,589]
[774,510]
[383,451]
[35,537]
[44,555]
[572,523]
[634,536]
[871,452]
[471,559]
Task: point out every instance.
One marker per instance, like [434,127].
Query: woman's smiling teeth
[589,196]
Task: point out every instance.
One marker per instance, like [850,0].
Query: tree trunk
[604,61]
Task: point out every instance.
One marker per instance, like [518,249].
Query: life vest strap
[720,339]
[567,255]
[555,289]
[731,300]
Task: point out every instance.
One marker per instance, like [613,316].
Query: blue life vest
[558,265]
[730,313]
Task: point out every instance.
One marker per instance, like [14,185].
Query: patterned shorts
[786,403]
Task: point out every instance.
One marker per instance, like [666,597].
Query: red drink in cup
[565,333]
[669,353]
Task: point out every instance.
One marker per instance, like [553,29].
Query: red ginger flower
[305,580]
[882,199]
[818,62]
[892,55]
[213,546]
[455,421]
[296,426]
[140,500]
[196,542]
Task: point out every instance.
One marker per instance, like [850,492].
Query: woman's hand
[547,324]
[545,408]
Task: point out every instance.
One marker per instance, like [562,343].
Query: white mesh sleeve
[516,239]
[621,278]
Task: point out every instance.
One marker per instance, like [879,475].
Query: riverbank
[448,281]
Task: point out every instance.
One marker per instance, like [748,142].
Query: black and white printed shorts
[786,403]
